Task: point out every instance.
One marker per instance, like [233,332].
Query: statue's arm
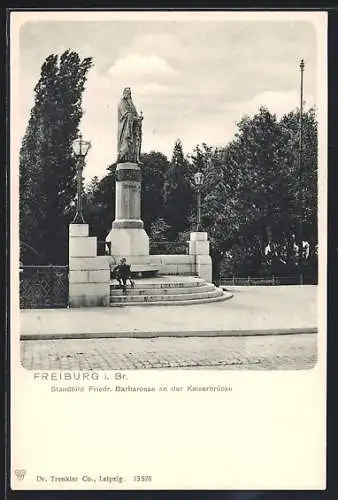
[124,111]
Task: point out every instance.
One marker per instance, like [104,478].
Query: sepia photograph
[168,188]
[168,217]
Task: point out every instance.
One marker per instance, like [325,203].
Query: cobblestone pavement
[256,352]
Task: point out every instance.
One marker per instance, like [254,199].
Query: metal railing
[43,287]
[103,248]
[267,280]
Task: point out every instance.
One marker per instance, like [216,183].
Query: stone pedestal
[127,237]
[89,275]
[199,248]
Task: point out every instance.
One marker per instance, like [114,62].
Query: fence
[43,287]
[103,248]
[267,280]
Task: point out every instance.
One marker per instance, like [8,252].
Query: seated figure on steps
[122,273]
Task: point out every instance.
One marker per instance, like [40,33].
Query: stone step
[161,283]
[166,290]
[204,287]
[164,297]
[219,298]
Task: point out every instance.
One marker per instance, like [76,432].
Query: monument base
[128,242]
[128,224]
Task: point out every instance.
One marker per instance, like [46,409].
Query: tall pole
[301,207]
[78,219]
[79,214]
[198,209]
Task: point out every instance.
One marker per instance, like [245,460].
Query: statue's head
[127,92]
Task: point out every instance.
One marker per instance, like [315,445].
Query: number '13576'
[139,479]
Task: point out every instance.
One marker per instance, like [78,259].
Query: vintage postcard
[168,250]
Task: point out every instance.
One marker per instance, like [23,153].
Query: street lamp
[80,148]
[301,202]
[198,179]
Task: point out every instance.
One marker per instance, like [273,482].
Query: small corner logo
[20,473]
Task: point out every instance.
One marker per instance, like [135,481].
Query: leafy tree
[158,229]
[254,202]
[154,168]
[203,160]
[177,192]
[250,196]
[308,177]
[47,165]
[264,179]
[199,161]
[157,233]
[99,204]
[91,189]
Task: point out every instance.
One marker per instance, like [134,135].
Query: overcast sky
[193,80]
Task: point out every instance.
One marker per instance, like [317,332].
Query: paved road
[258,352]
[251,308]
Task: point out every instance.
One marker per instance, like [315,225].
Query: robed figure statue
[129,130]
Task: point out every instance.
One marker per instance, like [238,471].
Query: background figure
[129,130]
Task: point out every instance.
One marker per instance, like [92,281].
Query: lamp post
[80,148]
[301,208]
[198,179]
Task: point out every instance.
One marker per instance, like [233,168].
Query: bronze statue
[129,130]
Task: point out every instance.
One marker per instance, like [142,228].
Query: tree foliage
[177,192]
[253,195]
[99,204]
[250,195]
[154,167]
[255,202]
[47,165]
